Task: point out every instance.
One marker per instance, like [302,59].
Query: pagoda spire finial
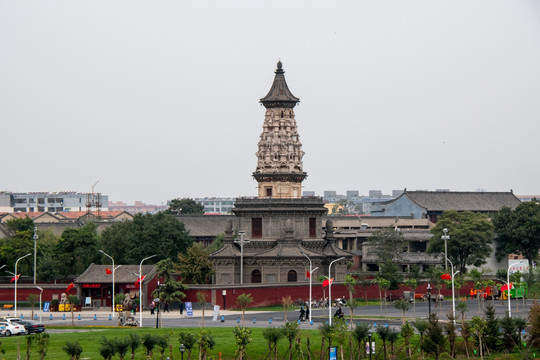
[279,94]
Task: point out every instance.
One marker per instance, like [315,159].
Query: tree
[195,266]
[243,300]
[435,340]
[286,301]
[518,232]
[201,298]
[470,238]
[18,243]
[130,241]
[351,283]
[412,284]
[360,335]
[421,326]
[384,334]
[184,206]
[171,290]
[242,336]
[387,245]
[189,340]
[32,299]
[404,306]
[134,341]
[107,349]
[407,333]
[73,301]
[272,336]
[216,244]
[77,249]
[478,327]
[43,345]
[73,349]
[206,342]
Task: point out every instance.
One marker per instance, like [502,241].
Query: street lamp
[242,241]
[508,285]
[369,334]
[140,289]
[35,237]
[16,279]
[330,290]
[453,297]
[445,237]
[113,269]
[41,293]
[429,299]
[182,348]
[310,277]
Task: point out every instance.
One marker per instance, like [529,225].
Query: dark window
[291,276]
[256,227]
[269,192]
[312,227]
[255,276]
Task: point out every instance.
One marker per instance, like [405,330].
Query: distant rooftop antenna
[93,202]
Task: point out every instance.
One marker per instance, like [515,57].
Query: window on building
[269,192]
[312,227]
[255,276]
[291,276]
[256,228]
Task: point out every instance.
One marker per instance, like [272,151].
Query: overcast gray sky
[159,99]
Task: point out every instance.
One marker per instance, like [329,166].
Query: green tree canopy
[470,238]
[184,206]
[129,242]
[195,266]
[518,231]
[171,290]
[387,244]
[77,248]
[17,244]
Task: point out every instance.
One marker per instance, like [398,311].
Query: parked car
[8,329]
[32,327]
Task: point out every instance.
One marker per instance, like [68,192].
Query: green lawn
[89,338]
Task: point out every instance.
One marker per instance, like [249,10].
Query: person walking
[152,308]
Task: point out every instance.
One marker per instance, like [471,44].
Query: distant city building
[137,208]
[308,193]
[522,198]
[52,202]
[216,205]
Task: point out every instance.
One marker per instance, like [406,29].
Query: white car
[8,329]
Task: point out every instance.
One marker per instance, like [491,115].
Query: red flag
[327,282]
[446,277]
[308,274]
[15,278]
[139,280]
[70,286]
[108,271]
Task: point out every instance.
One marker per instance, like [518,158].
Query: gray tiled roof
[206,225]
[463,201]
[96,274]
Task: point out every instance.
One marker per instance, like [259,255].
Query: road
[368,314]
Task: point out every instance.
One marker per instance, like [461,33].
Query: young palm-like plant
[421,326]
[73,349]
[243,300]
[407,333]
[384,333]
[404,306]
[272,336]
[243,338]
[43,345]
[286,301]
[149,342]
[188,340]
[134,342]
[107,349]
[360,336]
[201,298]
[393,336]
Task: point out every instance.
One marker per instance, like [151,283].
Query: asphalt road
[368,314]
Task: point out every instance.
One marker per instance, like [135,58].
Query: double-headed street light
[35,237]
[113,269]
[330,290]
[311,271]
[16,279]
[140,289]
[508,285]
[242,241]
[453,297]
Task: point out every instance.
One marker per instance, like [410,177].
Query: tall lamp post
[330,290]
[113,269]
[35,237]
[16,279]
[140,289]
[508,285]
[311,271]
[40,294]
[445,237]
[242,241]
[453,297]
[429,299]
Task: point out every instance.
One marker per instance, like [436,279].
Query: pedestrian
[152,308]
[302,316]
[181,307]
[166,307]
[307,313]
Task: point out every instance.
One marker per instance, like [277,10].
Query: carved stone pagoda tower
[282,226]
[279,170]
